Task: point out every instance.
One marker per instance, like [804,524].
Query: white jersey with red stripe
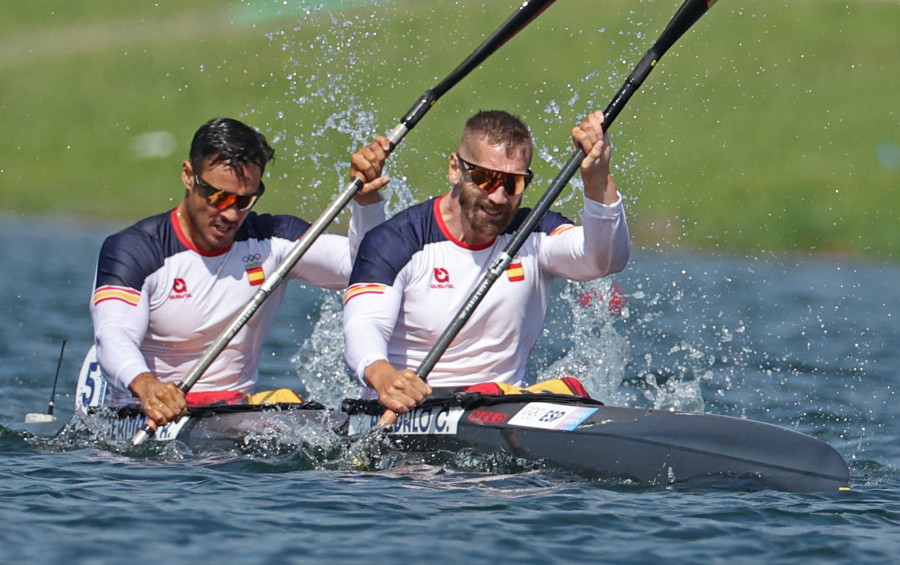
[412,276]
[158,302]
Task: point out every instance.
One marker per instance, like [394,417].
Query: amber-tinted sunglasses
[489,179]
[223,200]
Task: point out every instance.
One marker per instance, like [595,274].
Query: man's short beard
[485,226]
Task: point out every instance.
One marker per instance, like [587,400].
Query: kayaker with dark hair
[167,286]
[415,271]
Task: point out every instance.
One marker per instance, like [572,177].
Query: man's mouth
[491,211]
[222,230]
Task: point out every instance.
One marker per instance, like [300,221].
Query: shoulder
[549,223]
[387,247]
[127,257]
[415,225]
[267,226]
[149,231]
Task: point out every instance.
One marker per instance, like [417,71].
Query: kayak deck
[240,426]
[578,434]
[607,442]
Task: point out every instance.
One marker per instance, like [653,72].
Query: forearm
[364,218]
[365,345]
[600,186]
[378,374]
[599,247]
[120,360]
[607,241]
[370,313]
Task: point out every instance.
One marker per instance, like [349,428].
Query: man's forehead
[484,144]
[247,169]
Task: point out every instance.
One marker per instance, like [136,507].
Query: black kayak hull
[580,435]
[226,426]
[607,442]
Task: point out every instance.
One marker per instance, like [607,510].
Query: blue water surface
[807,343]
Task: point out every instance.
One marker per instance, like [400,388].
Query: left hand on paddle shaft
[398,391]
[366,165]
[598,181]
[161,402]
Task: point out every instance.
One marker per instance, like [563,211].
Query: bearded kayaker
[167,286]
[414,272]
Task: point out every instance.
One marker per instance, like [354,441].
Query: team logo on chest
[179,290]
[253,266]
[441,278]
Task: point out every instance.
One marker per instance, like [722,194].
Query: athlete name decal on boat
[485,417]
[120,429]
[435,420]
[430,420]
[549,416]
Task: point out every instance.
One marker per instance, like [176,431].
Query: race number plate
[549,416]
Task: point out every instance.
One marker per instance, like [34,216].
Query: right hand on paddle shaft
[161,402]
[398,391]
[366,165]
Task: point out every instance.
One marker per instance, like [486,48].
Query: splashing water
[595,353]
[320,75]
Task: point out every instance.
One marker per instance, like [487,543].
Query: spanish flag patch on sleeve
[515,272]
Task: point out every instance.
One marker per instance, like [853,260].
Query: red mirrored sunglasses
[489,179]
[223,200]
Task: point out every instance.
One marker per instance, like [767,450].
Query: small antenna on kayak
[37,417]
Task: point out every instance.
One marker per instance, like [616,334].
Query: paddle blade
[39,418]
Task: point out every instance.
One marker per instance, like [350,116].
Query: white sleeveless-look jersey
[411,277]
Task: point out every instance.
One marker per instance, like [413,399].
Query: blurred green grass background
[768,126]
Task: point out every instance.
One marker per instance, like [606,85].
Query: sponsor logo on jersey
[179,290]
[441,278]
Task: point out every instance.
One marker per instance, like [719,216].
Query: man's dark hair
[498,128]
[226,139]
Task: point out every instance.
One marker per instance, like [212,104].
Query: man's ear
[187,175]
[453,172]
